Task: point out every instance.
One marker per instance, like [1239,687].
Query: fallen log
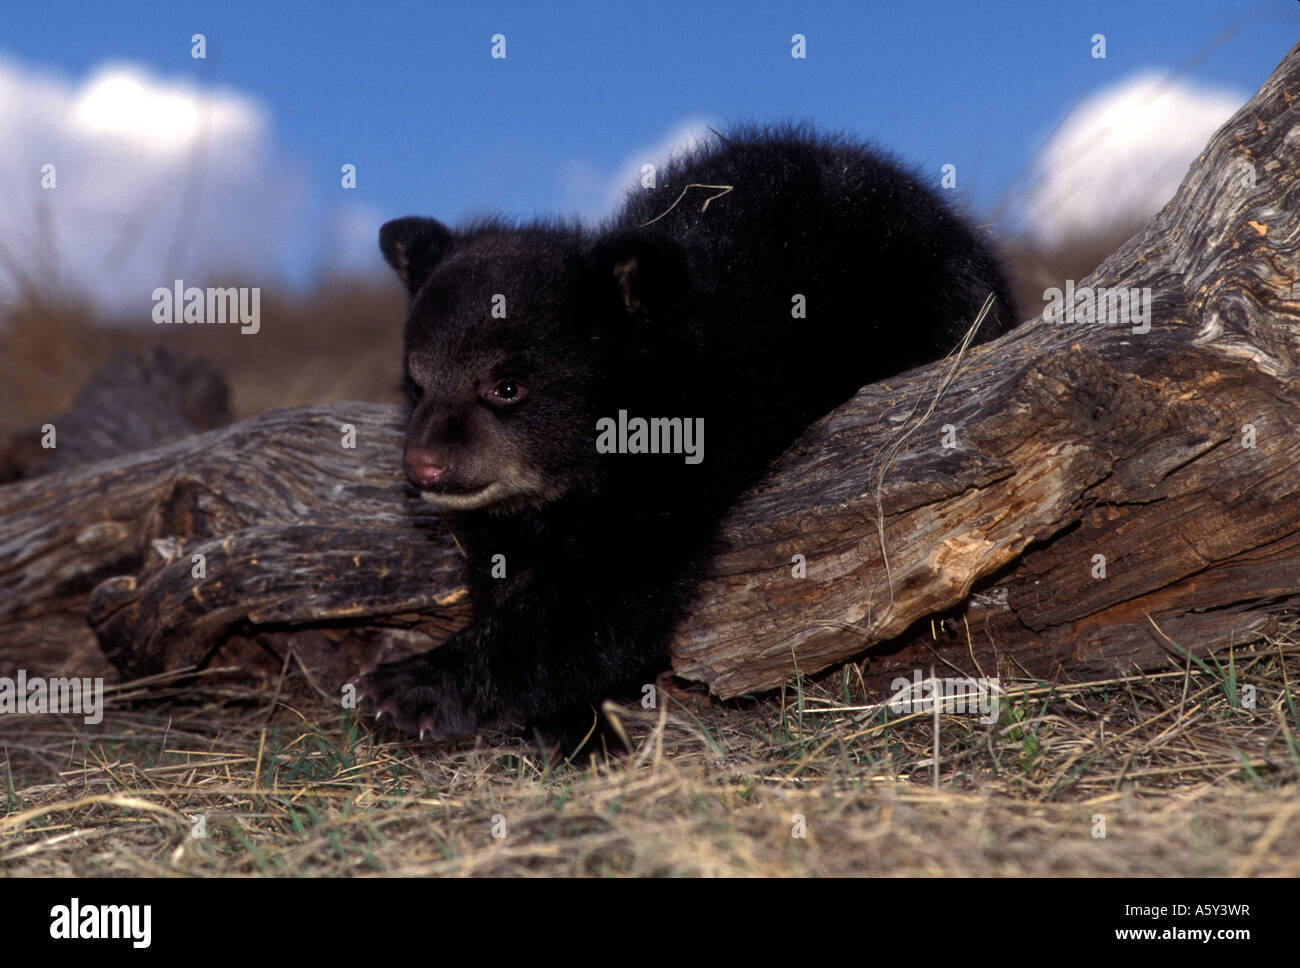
[273,530]
[1097,491]
[134,401]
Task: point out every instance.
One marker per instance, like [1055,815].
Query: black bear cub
[586,404]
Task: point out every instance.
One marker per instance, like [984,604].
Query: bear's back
[861,239]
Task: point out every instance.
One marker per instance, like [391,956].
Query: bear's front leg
[444,694]
[535,655]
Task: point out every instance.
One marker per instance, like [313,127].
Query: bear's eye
[507,391]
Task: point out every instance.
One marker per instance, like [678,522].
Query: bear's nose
[426,467]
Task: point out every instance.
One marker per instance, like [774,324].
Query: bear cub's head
[516,341]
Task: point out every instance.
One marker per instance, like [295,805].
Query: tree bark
[1083,497]
[268,533]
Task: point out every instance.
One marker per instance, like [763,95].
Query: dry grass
[1186,781]
[341,341]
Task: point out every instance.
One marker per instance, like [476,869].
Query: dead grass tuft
[1184,779]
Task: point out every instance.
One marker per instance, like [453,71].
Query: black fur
[688,316]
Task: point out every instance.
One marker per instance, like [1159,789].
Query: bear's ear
[648,270]
[414,247]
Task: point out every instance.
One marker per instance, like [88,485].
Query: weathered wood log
[302,539]
[133,401]
[1085,495]
[1170,453]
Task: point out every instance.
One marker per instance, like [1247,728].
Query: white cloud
[156,179]
[1120,155]
[594,193]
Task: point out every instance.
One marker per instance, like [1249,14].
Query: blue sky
[408,92]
